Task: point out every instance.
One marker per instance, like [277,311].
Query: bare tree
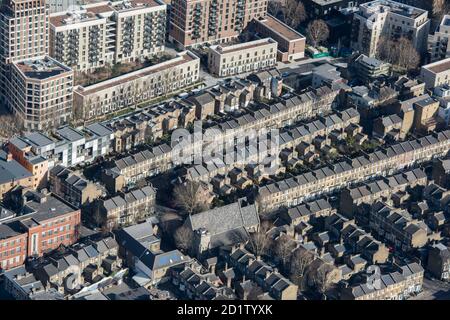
[282,249]
[408,57]
[321,278]
[400,53]
[295,13]
[317,32]
[300,261]
[191,197]
[10,125]
[259,242]
[274,7]
[184,238]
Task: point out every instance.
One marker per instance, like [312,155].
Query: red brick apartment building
[46,222]
[211,21]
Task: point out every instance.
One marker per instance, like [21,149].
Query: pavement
[433,290]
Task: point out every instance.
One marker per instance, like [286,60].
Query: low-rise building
[439,261]
[67,146]
[101,99]
[73,187]
[126,208]
[396,285]
[45,222]
[140,249]
[229,60]
[13,174]
[291,44]
[323,180]
[369,69]
[436,74]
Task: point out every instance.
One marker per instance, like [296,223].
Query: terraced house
[290,191]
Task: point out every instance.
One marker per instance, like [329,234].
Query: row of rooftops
[29,281]
[350,164]
[258,269]
[122,200]
[400,220]
[285,138]
[64,135]
[386,183]
[387,280]
[78,254]
[262,112]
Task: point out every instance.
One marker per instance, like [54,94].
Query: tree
[317,32]
[282,249]
[300,261]
[259,242]
[408,57]
[274,7]
[400,53]
[184,238]
[191,197]
[295,13]
[10,125]
[321,278]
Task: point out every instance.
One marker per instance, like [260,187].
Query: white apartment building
[436,73]
[108,32]
[97,100]
[438,42]
[250,56]
[385,18]
[67,146]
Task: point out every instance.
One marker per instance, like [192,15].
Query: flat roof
[439,66]
[41,68]
[281,28]
[182,58]
[121,6]
[242,46]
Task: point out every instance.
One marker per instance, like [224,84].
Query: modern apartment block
[436,74]
[108,33]
[98,100]
[47,223]
[390,19]
[291,44]
[35,87]
[67,146]
[250,56]
[194,22]
[40,92]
